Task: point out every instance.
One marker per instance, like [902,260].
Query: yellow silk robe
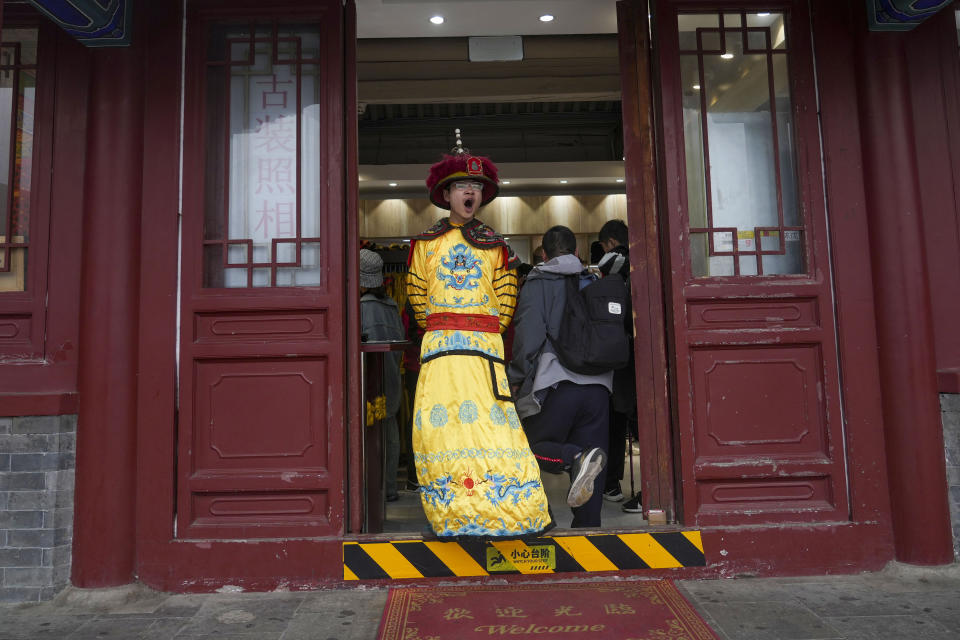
[477,474]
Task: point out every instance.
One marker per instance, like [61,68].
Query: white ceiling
[408,180]
[411,18]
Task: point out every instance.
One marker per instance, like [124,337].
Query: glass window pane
[787,156]
[731,20]
[263,139]
[240,51]
[286,253]
[757,40]
[778,31]
[693,135]
[740,159]
[790,258]
[764,19]
[234,278]
[18,82]
[688,25]
[769,241]
[309,274]
[694,21]
[7,109]
[261,277]
[698,255]
[710,40]
[237,254]
[13,269]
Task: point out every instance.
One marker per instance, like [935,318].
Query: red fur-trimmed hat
[462,166]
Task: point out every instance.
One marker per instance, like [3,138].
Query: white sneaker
[613,495]
[585,469]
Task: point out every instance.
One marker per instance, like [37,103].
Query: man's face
[464,197]
[609,244]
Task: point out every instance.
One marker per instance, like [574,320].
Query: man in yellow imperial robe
[478,477]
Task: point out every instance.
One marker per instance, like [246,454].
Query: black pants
[573,418]
[618,449]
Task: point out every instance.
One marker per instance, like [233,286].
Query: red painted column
[104,509]
[913,431]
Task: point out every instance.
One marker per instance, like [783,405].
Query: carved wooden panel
[261,377]
[758,400]
[262,414]
[15,329]
[765,495]
[256,509]
[224,327]
[755,314]
[758,411]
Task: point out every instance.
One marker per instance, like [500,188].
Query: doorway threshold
[560,551]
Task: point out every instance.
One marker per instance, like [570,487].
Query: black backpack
[592,338]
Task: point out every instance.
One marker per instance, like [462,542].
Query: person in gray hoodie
[564,413]
[380,321]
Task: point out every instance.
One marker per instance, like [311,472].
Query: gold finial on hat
[458,149]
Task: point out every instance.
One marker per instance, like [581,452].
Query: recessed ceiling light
[504,182]
[546,18]
[393,184]
[437,19]
[696,87]
[619,179]
[563,182]
[726,56]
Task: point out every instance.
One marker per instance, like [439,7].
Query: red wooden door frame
[163,560]
[355,418]
[167,563]
[646,278]
[713,465]
[289,483]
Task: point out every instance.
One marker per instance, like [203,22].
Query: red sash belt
[463,321]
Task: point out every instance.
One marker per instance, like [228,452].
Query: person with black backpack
[614,240]
[562,369]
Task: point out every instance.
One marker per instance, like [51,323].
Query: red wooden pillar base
[913,432]
[104,525]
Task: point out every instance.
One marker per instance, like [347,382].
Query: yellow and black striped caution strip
[601,552]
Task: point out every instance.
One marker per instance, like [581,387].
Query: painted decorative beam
[94,23]
[901,15]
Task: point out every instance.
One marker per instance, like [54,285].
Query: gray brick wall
[950,411]
[36,505]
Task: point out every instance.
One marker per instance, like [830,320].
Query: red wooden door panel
[758,405]
[261,415]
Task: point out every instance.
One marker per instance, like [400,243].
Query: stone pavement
[901,602]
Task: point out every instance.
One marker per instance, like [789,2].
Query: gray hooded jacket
[380,320]
[535,366]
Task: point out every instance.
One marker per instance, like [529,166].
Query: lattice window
[263,140]
[18,84]
[742,197]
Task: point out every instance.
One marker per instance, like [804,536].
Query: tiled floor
[900,603]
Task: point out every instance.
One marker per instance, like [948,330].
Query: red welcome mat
[590,610]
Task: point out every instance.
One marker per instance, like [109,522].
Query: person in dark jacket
[564,413]
[380,320]
[623,403]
